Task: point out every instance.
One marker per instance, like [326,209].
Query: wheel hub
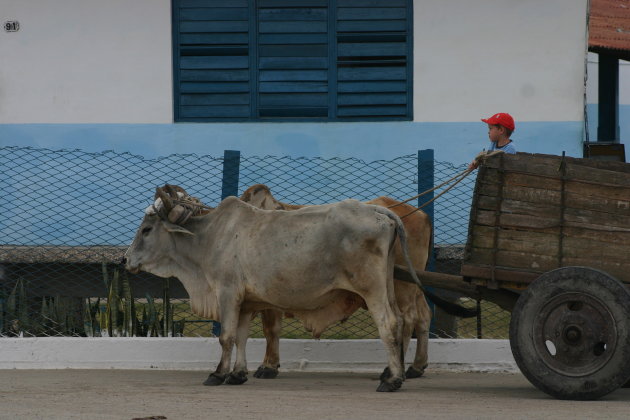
[575,334]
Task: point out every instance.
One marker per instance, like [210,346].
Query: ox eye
[146,230]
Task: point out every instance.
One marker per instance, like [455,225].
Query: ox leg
[388,323]
[238,375]
[272,324]
[407,299]
[423,324]
[229,323]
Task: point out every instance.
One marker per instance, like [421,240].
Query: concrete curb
[203,354]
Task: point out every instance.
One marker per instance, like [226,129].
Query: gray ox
[237,259]
[413,306]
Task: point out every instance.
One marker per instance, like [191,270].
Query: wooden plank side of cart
[535,213]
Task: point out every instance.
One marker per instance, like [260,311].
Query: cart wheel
[570,333]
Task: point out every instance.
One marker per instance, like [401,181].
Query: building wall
[96,75]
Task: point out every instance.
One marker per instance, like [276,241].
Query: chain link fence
[70,215]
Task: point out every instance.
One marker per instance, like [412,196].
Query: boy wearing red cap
[500,128]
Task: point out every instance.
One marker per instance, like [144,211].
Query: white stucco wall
[475,58]
[86,61]
[95,61]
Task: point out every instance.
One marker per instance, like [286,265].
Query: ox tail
[448,307]
[402,235]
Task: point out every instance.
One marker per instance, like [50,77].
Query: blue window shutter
[240,60]
[292,59]
[211,60]
[373,59]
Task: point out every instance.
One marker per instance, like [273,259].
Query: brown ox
[411,301]
[237,259]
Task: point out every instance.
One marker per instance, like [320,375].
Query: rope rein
[193,202]
[457,178]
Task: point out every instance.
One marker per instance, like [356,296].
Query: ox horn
[166,199]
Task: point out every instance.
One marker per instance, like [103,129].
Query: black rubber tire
[570,333]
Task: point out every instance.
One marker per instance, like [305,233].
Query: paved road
[127,394]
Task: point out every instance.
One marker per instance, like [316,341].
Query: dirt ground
[128,394]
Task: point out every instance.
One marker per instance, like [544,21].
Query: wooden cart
[549,239]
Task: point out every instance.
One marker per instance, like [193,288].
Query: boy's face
[495,132]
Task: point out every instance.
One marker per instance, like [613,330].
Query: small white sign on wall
[11,26]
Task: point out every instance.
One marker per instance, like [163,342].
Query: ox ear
[173,228]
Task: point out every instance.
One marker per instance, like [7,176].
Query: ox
[415,312]
[237,259]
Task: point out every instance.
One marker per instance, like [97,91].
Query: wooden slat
[285,39]
[214,26]
[594,250]
[618,196]
[214,75]
[597,175]
[292,63]
[603,222]
[619,270]
[293,112]
[214,111]
[293,99]
[292,27]
[294,14]
[371,13]
[371,49]
[364,86]
[529,195]
[615,238]
[214,13]
[293,75]
[509,206]
[274,87]
[372,73]
[293,50]
[549,165]
[210,62]
[371,3]
[513,259]
[212,87]
[183,4]
[215,99]
[372,99]
[516,240]
[234,38]
[371,26]
[517,221]
[292,3]
[356,111]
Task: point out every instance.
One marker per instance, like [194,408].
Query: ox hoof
[264,372]
[385,375]
[236,378]
[414,373]
[214,380]
[392,386]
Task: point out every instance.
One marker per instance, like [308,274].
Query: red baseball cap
[501,118]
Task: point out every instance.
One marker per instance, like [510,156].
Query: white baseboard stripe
[204,353]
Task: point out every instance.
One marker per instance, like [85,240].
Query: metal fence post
[426,181]
[231,167]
